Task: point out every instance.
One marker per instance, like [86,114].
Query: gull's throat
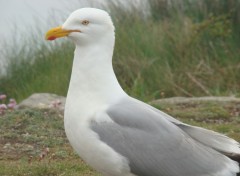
[93,80]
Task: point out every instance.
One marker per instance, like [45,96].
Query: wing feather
[155,146]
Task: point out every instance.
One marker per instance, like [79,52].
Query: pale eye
[85,22]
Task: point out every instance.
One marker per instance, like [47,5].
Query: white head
[84,26]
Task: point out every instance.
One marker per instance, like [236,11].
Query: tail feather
[235,158]
[217,141]
[213,139]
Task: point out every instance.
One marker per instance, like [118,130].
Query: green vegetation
[44,168]
[183,49]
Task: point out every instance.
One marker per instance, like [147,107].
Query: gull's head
[84,26]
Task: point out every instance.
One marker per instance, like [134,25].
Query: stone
[43,101]
[177,100]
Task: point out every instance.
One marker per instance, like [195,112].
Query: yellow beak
[58,32]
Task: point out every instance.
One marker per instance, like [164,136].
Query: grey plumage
[156,146]
[209,138]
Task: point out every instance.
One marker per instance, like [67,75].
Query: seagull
[119,135]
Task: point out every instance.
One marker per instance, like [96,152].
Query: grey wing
[217,141]
[156,147]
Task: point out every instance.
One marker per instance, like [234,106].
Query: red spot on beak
[51,38]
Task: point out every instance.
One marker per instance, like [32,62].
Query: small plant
[4,106]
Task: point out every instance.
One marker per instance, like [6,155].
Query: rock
[43,101]
[53,101]
[177,100]
[201,109]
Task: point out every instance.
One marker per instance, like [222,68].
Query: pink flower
[11,106]
[3,96]
[13,101]
[3,107]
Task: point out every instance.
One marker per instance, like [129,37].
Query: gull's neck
[93,81]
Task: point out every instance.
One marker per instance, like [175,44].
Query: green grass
[46,168]
[175,52]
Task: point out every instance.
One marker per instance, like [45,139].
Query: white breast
[88,145]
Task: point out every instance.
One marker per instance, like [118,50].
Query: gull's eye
[85,22]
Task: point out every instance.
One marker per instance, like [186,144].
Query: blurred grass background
[183,48]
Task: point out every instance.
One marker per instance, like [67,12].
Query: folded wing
[157,145]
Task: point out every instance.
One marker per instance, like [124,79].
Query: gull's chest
[77,116]
[87,143]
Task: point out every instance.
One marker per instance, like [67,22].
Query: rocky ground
[33,142]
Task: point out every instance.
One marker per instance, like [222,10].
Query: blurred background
[164,48]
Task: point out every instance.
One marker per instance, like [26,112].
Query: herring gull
[122,136]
